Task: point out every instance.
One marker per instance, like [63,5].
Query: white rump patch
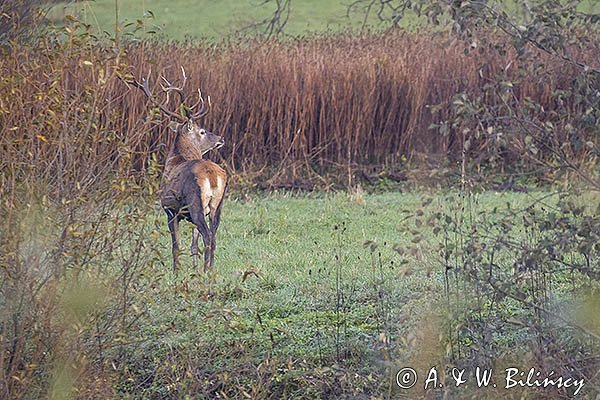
[207,191]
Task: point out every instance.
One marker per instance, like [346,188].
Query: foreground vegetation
[312,296]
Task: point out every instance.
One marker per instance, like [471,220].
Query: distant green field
[208,18]
[212,19]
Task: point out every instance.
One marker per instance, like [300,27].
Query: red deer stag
[193,188]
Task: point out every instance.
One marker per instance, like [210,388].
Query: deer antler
[203,107]
[179,89]
[168,87]
[145,87]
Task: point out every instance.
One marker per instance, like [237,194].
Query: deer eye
[202,131]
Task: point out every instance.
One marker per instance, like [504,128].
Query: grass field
[215,19]
[302,286]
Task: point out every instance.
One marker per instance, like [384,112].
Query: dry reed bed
[294,107]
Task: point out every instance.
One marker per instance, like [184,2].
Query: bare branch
[277,21]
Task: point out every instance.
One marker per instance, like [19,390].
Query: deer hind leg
[205,232]
[215,218]
[197,215]
[173,222]
[194,250]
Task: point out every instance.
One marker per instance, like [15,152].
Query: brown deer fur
[193,189]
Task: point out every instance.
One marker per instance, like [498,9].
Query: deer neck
[182,150]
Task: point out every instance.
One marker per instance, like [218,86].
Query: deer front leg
[195,236]
[173,223]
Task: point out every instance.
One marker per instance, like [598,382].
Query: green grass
[312,296]
[328,281]
[212,19]
[215,20]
